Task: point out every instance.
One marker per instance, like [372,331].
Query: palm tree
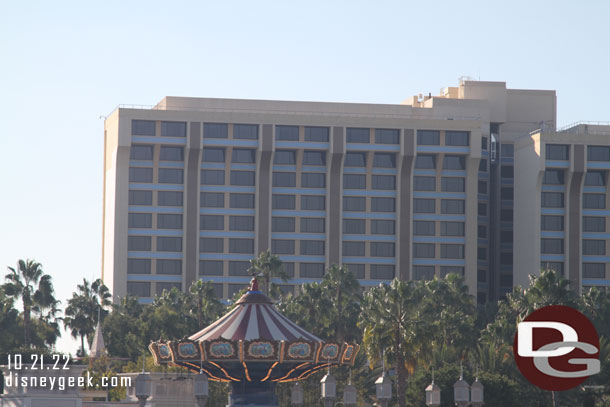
[268,266]
[204,303]
[343,291]
[29,283]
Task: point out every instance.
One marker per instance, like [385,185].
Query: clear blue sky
[63,64]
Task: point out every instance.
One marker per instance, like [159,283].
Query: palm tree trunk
[401,375]
[82,345]
[26,325]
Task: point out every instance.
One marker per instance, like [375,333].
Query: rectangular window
[481,276]
[169,198]
[211,222]
[169,221]
[354,204]
[354,181]
[168,266]
[452,228]
[210,268]
[289,269]
[481,253]
[212,199]
[482,209]
[213,155]
[507,150]
[139,243]
[593,224]
[506,215]
[316,134]
[553,177]
[482,231]
[386,136]
[169,244]
[139,174]
[594,247]
[212,177]
[551,222]
[506,236]
[384,160]
[282,246]
[312,225]
[386,182]
[139,220]
[428,137]
[171,175]
[382,249]
[598,153]
[483,143]
[507,171]
[285,157]
[354,249]
[239,268]
[241,200]
[425,161]
[506,280]
[552,265]
[382,271]
[282,201]
[312,247]
[424,228]
[284,179]
[454,162]
[482,187]
[552,200]
[383,205]
[355,135]
[383,227]
[138,289]
[313,180]
[594,270]
[311,270]
[355,159]
[242,178]
[241,245]
[354,226]
[143,128]
[506,194]
[282,224]
[313,202]
[245,131]
[314,157]
[551,246]
[483,165]
[506,258]
[594,201]
[243,223]
[141,152]
[595,178]
[453,184]
[423,272]
[211,245]
[171,153]
[243,156]
[424,205]
[173,129]
[138,266]
[452,251]
[421,183]
[215,130]
[456,138]
[357,270]
[423,250]
[559,152]
[287,133]
[137,197]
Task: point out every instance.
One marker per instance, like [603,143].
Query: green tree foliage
[266,267]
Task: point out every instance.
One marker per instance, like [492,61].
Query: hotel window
[354,249]
[241,200]
[169,221]
[560,152]
[171,153]
[354,226]
[241,245]
[552,265]
[357,270]
[242,178]
[138,289]
[456,138]
[311,270]
[594,270]
[483,143]
[551,246]
[506,194]
[424,228]
[212,199]
[506,258]
[312,225]
[211,222]
[243,223]
[482,187]
[354,204]
[313,180]
[239,268]
[425,161]
[169,198]
[428,137]
[482,231]
[314,157]
[355,159]
[482,209]
[141,152]
[282,246]
[423,250]
[382,249]
[138,266]
[507,171]
[386,136]
[171,176]
[211,245]
[382,271]
[594,247]
[245,131]
[506,280]
[424,183]
[316,134]
[507,150]
[312,247]
[212,177]
[481,253]
[424,205]
[139,220]
[383,227]
[593,224]
[552,200]
[169,244]
[138,197]
[173,129]
[483,165]
[138,174]
[282,224]
[354,181]
[243,156]
[313,202]
[452,228]
[453,184]
[168,266]
[454,162]
[384,160]
[282,201]
[142,128]
[423,272]
[481,276]
[355,135]
[452,251]
[210,268]
[506,215]
[215,130]
[551,222]
[595,178]
[553,177]
[598,153]
[287,133]
[285,157]
[386,182]
[594,201]
[383,205]
[284,179]
[289,269]
[213,155]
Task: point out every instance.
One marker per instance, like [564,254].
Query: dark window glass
[169,198]
[483,143]
[142,128]
[482,187]
[456,138]
[551,222]
[139,220]
[482,231]
[354,181]
[288,133]
[595,178]
[354,203]
[383,205]
[289,269]
[557,152]
[169,244]
[452,228]
[171,153]
[357,270]
[356,159]
[506,215]
[552,200]
[171,175]
[506,236]
[210,268]
[314,157]
[507,150]
[284,179]
[243,155]
[451,269]
[312,225]
[354,249]
[312,247]
[593,224]
[423,250]
[173,129]
[424,205]
[482,209]
[428,137]
[507,171]
[358,135]
[211,222]
[421,183]
[241,245]
[138,266]
[454,162]
[245,131]
[281,224]
[137,197]
[282,246]
[594,270]
[169,221]
[313,202]
[215,130]
[213,177]
[141,152]
[551,246]
[245,223]
[598,153]
[506,194]
[452,251]
[424,228]
[452,184]
[506,280]
[481,276]
[138,174]
[211,245]
[423,272]
[386,136]
[212,199]
[239,268]
[213,155]
[241,200]
[311,270]
[552,265]
[313,180]
[384,160]
[425,161]
[138,289]
[553,177]
[382,271]
[483,165]
[593,247]
[316,134]
[139,243]
[387,182]
[242,178]
[285,157]
[481,253]
[354,226]
[168,266]
[383,227]
[282,201]
[594,201]
[382,249]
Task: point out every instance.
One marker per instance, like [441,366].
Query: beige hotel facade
[196,187]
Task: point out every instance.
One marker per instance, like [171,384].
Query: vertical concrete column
[263,190]
[333,196]
[572,235]
[191,204]
[471,224]
[404,204]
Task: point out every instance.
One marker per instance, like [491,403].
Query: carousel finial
[253,284]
